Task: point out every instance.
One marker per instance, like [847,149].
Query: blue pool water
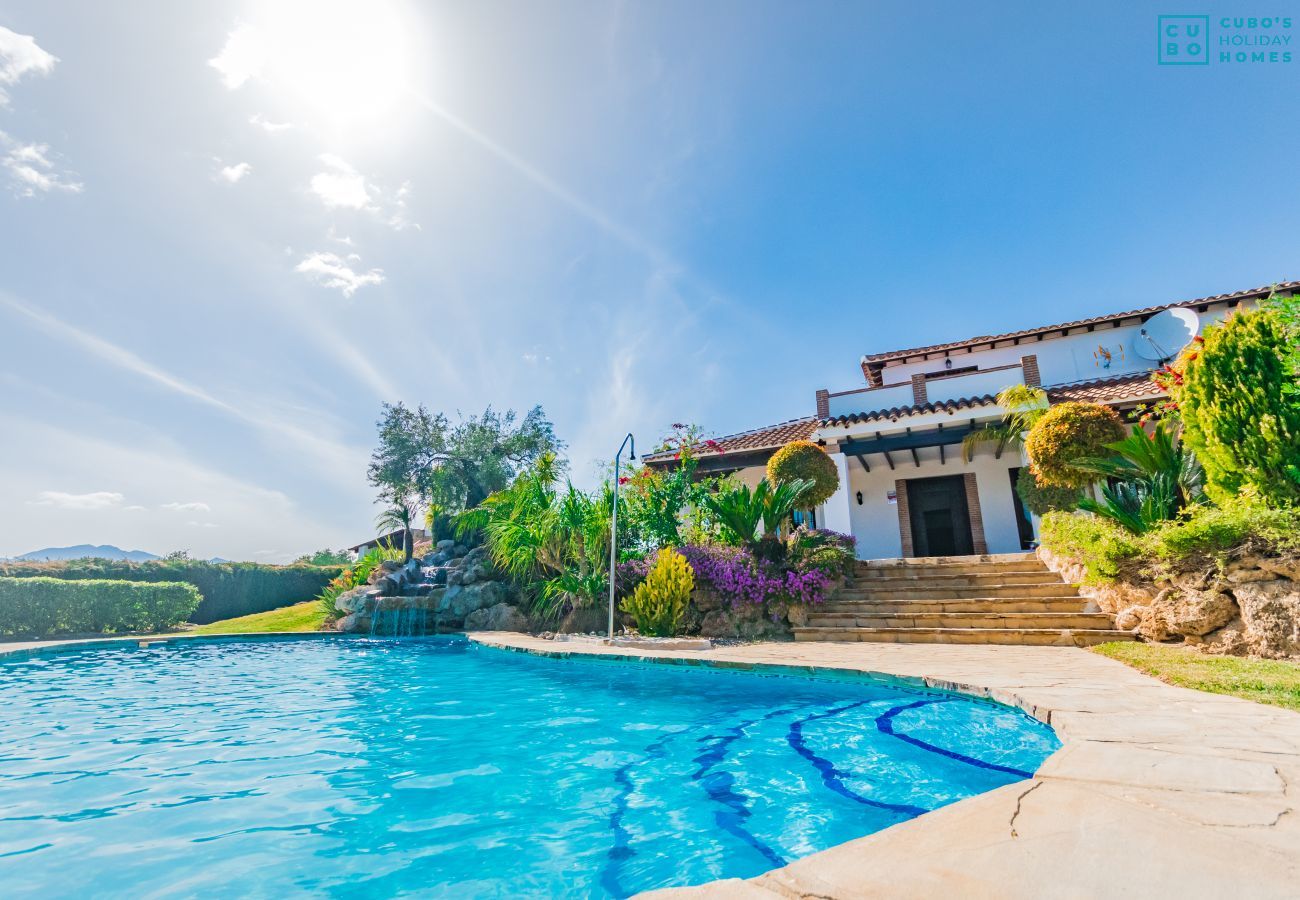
[361,768]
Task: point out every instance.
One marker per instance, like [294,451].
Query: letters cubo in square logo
[1184,40]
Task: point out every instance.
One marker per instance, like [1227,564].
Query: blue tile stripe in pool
[886,724]
[359,768]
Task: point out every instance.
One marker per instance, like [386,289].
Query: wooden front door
[939,516]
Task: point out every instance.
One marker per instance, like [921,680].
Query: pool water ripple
[360,768]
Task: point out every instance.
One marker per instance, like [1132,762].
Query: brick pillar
[1029,368]
[981,546]
[918,389]
[823,404]
[904,517]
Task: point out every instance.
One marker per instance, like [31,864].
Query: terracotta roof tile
[769,437]
[1106,390]
[1253,293]
[901,412]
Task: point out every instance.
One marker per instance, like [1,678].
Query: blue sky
[228,231]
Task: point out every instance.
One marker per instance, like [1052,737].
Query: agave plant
[1025,405]
[1152,476]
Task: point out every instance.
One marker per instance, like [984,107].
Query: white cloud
[30,169]
[20,56]
[267,125]
[187,507]
[93,500]
[134,508]
[332,271]
[243,56]
[233,174]
[340,186]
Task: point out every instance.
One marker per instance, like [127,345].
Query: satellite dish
[1166,333]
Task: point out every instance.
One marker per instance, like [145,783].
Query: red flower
[624,479]
[1198,339]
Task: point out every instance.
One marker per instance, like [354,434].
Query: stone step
[948,565]
[978,592]
[1073,603]
[1032,576]
[1075,637]
[946,620]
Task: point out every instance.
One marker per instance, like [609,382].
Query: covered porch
[907,491]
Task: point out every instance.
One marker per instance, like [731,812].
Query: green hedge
[41,606]
[228,589]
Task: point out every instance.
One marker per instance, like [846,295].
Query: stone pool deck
[1157,791]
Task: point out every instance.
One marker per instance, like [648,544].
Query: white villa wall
[1060,359]
[875,522]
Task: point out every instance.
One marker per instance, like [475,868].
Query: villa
[905,488]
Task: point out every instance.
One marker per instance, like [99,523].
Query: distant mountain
[82,551]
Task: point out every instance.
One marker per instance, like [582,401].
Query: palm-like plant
[740,511]
[782,500]
[398,517]
[1153,478]
[1024,406]
[555,543]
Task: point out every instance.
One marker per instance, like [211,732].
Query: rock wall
[1247,606]
[453,588]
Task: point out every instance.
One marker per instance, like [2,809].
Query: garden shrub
[659,602]
[1202,536]
[228,589]
[40,606]
[1107,549]
[1234,393]
[1238,525]
[827,551]
[805,460]
[1066,433]
[1040,500]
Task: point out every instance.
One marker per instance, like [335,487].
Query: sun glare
[344,63]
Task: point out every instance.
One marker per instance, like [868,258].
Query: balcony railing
[939,388]
[973,384]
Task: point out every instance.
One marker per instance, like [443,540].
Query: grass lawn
[307,616]
[1261,680]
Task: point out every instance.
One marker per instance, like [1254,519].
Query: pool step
[996,620]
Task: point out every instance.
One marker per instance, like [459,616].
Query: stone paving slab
[1158,791]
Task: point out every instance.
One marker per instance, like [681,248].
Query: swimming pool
[360,768]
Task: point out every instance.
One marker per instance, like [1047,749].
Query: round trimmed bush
[1041,500]
[804,459]
[1070,432]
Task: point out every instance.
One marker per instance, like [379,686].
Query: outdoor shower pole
[613,529]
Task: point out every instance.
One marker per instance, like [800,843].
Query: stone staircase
[1009,598]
